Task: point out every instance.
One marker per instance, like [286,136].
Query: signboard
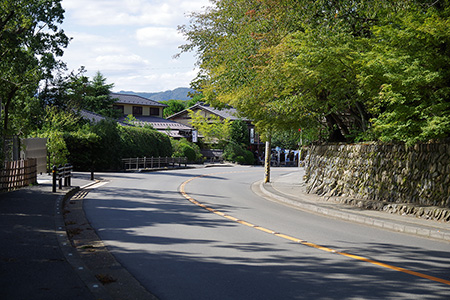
[36,148]
[194,136]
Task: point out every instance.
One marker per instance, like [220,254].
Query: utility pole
[267,161]
[300,150]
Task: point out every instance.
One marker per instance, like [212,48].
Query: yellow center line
[296,240]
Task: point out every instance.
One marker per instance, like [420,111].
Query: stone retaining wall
[380,175]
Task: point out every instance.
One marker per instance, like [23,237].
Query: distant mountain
[176,94]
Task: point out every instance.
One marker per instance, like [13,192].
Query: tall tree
[173,106]
[344,69]
[212,127]
[30,44]
[98,97]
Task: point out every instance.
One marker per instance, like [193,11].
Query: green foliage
[60,120]
[345,70]
[56,148]
[107,153]
[173,106]
[184,148]
[95,147]
[26,114]
[98,97]
[196,98]
[286,139]
[143,142]
[56,123]
[102,146]
[239,132]
[82,146]
[130,119]
[77,91]
[213,128]
[237,153]
[30,42]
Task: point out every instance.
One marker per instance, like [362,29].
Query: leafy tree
[195,99]
[345,70]
[98,97]
[286,139]
[56,148]
[213,128]
[173,106]
[56,124]
[76,91]
[239,132]
[30,42]
[237,153]
[56,119]
[64,91]
[130,120]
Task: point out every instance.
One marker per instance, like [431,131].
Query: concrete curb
[93,260]
[268,190]
[71,254]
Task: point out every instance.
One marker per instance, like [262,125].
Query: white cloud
[120,62]
[159,37]
[131,42]
[131,12]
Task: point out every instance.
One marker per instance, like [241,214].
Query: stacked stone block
[381,174]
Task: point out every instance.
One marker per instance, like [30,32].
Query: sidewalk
[36,259]
[290,189]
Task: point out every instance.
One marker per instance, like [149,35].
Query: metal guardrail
[151,163]
[60,173]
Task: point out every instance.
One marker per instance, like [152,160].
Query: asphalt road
[179,250]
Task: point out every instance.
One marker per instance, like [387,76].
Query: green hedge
[103,145]
[144,142]
[237,153]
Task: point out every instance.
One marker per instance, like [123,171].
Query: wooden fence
[17,174]
[151,163]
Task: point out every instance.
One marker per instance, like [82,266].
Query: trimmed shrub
[184,148]
[237,153]
[81,145]
[144,142]
[103,145]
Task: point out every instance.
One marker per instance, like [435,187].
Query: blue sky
[131,42]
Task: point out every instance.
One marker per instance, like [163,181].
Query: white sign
[194,136]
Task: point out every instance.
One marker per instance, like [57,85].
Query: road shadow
[267,271]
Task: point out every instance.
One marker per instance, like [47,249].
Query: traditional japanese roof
[92,117]
[169,127]
[134,99]
[160,123]
[226,113]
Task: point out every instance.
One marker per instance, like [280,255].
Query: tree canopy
[30,44]
[344,70]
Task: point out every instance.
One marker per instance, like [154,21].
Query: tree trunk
[8,101]
[336,134]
